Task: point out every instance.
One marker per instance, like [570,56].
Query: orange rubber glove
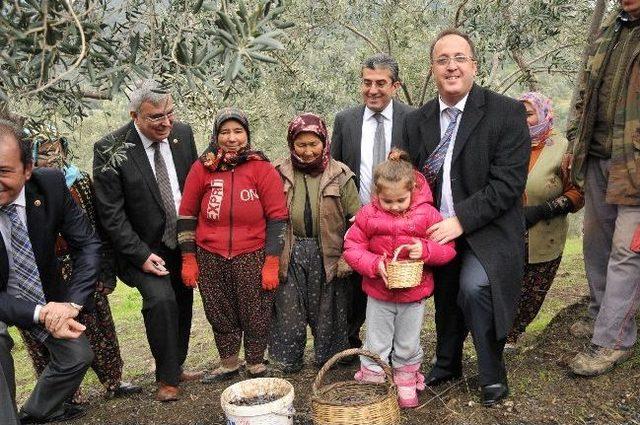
[635,241]
[190,270]
[270,269]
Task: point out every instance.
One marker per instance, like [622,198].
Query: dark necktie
[25,268]
[379,143]
[162,177]
[434,163]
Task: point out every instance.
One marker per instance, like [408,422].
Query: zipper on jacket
[231,216]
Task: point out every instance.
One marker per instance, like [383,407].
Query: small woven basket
[403,273]
[353,402]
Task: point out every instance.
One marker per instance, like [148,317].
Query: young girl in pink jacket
[400,213]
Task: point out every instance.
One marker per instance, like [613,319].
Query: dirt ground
[542,391]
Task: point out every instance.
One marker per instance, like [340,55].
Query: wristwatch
[76,306]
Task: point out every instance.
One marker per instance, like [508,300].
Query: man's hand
[445,231]
[155,265]
[415,249]
[105,290]
[54,314]
[68,329]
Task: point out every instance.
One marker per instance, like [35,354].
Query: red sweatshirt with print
[233,206]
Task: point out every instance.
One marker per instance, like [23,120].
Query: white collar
[387,112]
[460,105]
[21,200]
[146,142]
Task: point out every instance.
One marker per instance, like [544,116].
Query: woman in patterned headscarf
[322,197]
[549,197]
[53,151]
[230,227]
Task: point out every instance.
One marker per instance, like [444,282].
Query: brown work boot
[597,360]
[187,376]
[167,392]
[582,328]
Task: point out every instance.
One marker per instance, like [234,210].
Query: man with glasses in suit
[362,137]
[139,173]
[473,146]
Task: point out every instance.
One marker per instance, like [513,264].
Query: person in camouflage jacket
[604,148]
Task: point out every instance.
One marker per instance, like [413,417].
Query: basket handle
[346,353]
[397,251]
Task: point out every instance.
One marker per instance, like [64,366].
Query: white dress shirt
[446,200]
[5,229]
[369,125]
[165,150]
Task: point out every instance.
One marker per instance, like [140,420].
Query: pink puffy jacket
[377,232]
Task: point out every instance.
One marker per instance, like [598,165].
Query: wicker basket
[353,402]
[403,273]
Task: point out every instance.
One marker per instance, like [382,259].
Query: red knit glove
[635,241]
[190,270]
[270,271]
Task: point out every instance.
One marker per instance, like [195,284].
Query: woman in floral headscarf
[549,197]
[322,197]
[233,213]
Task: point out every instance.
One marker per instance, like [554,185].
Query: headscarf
[216,159]
[542,105]
[311,123]
[59,157]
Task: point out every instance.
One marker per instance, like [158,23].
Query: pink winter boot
[409,381]
[367,375]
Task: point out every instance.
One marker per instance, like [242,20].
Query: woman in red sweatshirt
[399,214]
[230,228]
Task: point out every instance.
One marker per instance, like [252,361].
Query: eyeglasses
[380,84]
[160,118]
[459,59]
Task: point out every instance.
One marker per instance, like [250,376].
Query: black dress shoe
[434,379]
[71,411]
[125,389]
[491,394]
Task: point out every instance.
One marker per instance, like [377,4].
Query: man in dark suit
[362,137]
[36,206]
[473,146]
[139,174]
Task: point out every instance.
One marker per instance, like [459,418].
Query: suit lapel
[430,128]
[140,158]
[356,137]
[473,113]
[179,160]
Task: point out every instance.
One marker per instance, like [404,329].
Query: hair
[384,61]
[452,31]
[9,129]
[396,169]
[146,91]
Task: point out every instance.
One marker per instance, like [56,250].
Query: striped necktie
[171,218]
[434,162]
[25,274]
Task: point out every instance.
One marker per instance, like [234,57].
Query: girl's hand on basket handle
[382,268]
[415,249]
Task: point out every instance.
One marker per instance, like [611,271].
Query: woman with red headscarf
[322,197]
[549,197]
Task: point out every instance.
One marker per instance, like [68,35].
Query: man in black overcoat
[473,146]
